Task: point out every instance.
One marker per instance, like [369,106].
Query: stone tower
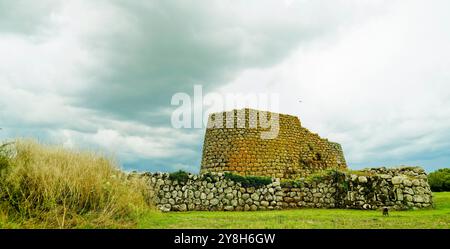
[294,153]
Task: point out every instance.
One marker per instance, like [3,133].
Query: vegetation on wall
[180,176]
[291,183]
[320,176]
[249,181]
[330,174]
[340,181]
[209,177]
[440,180]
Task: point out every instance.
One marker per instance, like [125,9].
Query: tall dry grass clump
[49,186]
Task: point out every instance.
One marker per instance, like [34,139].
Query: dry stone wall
[402,188]
[295,152]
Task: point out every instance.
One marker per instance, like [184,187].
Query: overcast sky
[373,76]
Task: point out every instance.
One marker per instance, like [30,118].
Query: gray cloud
[379,88]
[100,74]
[24,16]
[165,47]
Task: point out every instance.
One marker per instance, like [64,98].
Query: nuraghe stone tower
[239,148]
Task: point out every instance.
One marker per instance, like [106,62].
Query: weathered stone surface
[407,183]
[362,179]
[265,203]
[408,191]
[418,198]
[396,180]
[214,202]
[165,208]
[416,182]
[399,195]
[228,208]
[182,207]
[224,148]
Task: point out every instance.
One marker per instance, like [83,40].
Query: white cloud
[380,87]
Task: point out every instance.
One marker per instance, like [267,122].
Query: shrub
[48,186]
[440,180]
[180,176]
[249,181]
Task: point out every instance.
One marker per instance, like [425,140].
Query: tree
[440,180]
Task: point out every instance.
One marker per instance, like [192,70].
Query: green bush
[440,180]
[249,181]
[180,176]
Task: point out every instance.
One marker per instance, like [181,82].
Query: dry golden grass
[49,186]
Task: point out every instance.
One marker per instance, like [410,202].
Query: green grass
[306,218]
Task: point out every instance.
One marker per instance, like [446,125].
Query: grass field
[306,218]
